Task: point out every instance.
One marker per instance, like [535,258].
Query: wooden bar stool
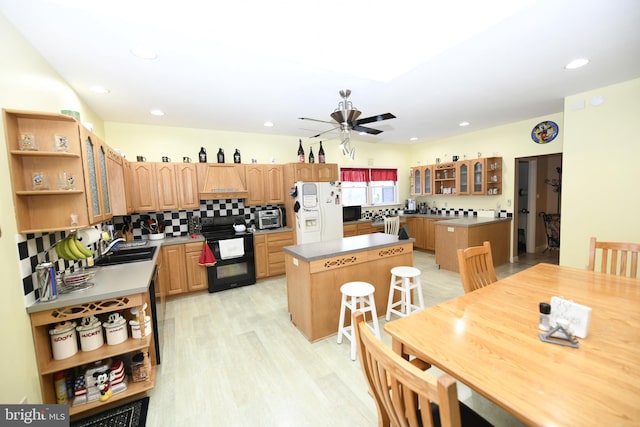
[357,296]
[404,279]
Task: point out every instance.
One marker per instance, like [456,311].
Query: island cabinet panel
[450,238]
[313,287]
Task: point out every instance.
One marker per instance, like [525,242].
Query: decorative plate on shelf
[544,132]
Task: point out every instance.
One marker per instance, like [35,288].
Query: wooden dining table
[489,340]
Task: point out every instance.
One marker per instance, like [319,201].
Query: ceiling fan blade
[365,129]
[316,120]
[378,118]
[326,131]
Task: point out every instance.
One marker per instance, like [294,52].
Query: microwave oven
[351,213]
[269,218]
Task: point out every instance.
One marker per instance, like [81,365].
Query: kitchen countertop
[470,221]
[115,281]
[318,250]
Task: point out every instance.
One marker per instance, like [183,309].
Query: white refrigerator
[318,210]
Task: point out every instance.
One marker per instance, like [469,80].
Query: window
[369,186]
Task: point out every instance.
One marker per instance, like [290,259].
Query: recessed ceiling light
[99,89]
[144,53]
[362,133]
[157,112]
[576,63]
[463,124]
[268,124]
[413,138]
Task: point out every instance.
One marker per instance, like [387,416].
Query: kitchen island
[315,272]
[464,232]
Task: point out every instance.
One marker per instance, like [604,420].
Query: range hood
[221,181]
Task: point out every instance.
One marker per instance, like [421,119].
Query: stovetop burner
[221,227]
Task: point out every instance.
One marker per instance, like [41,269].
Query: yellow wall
[27,82]
[601,174]
[599,144]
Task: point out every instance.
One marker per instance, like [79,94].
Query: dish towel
[207,258]
[231,248]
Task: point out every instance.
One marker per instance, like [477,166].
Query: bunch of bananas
[71,249]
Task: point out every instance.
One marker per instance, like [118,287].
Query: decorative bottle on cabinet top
[220,156]
[202,155]
[321,154]
[312,158]
[300,152]
[236,156]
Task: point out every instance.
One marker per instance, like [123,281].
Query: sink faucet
[112,244]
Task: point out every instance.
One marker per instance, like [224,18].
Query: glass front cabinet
[462,169]
[477,170]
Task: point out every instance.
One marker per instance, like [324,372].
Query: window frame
[368,185]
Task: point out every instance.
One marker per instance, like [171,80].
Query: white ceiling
[234,65]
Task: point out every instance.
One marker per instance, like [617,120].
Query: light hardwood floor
[234,358]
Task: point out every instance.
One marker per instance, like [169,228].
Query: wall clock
[544,132]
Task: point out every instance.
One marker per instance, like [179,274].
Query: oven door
[232,272]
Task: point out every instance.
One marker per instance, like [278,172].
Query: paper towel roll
[88,236]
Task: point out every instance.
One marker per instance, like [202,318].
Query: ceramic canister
[90,336]
[63,340]
[116,331]
[135,328]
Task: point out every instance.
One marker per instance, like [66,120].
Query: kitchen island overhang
[315,272]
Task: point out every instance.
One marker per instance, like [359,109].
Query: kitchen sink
[123,256]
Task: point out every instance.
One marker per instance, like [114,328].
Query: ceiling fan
[346,118]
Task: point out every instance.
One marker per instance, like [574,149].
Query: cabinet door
[430,234]
[274,184]
[478,171]
[260,250]
[117,183]
[174,256]
[255,185]
[462,170]
[327,172]
[165,176]
[197,278]
[187,186]
[144,187]
[304,172]
[349,230]
[94,159]
[416,182]
[427,187]
[275,254]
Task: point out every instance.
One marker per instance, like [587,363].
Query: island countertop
[318,250]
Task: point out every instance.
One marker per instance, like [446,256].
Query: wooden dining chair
[616,258]
[476,267]
[392,225]
[402,392]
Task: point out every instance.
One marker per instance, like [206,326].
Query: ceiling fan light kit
[347,118]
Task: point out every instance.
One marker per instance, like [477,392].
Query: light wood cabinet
[265,184]
[187,178]
[269,256]
[42,321]
[164,186]
[143,185]
[421,178]
[221,181]
[197,278]
[42,203]
[96,177]
[119,183]
[423,231]
[175,279]
[349,230]
[480,177]
[314,172]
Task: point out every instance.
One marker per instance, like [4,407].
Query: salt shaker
[545,321]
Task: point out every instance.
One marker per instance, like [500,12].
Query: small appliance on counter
[269,218]
[410,206]
[351,213]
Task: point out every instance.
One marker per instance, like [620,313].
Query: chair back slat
[617,258]
[399,388]
[476,267]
